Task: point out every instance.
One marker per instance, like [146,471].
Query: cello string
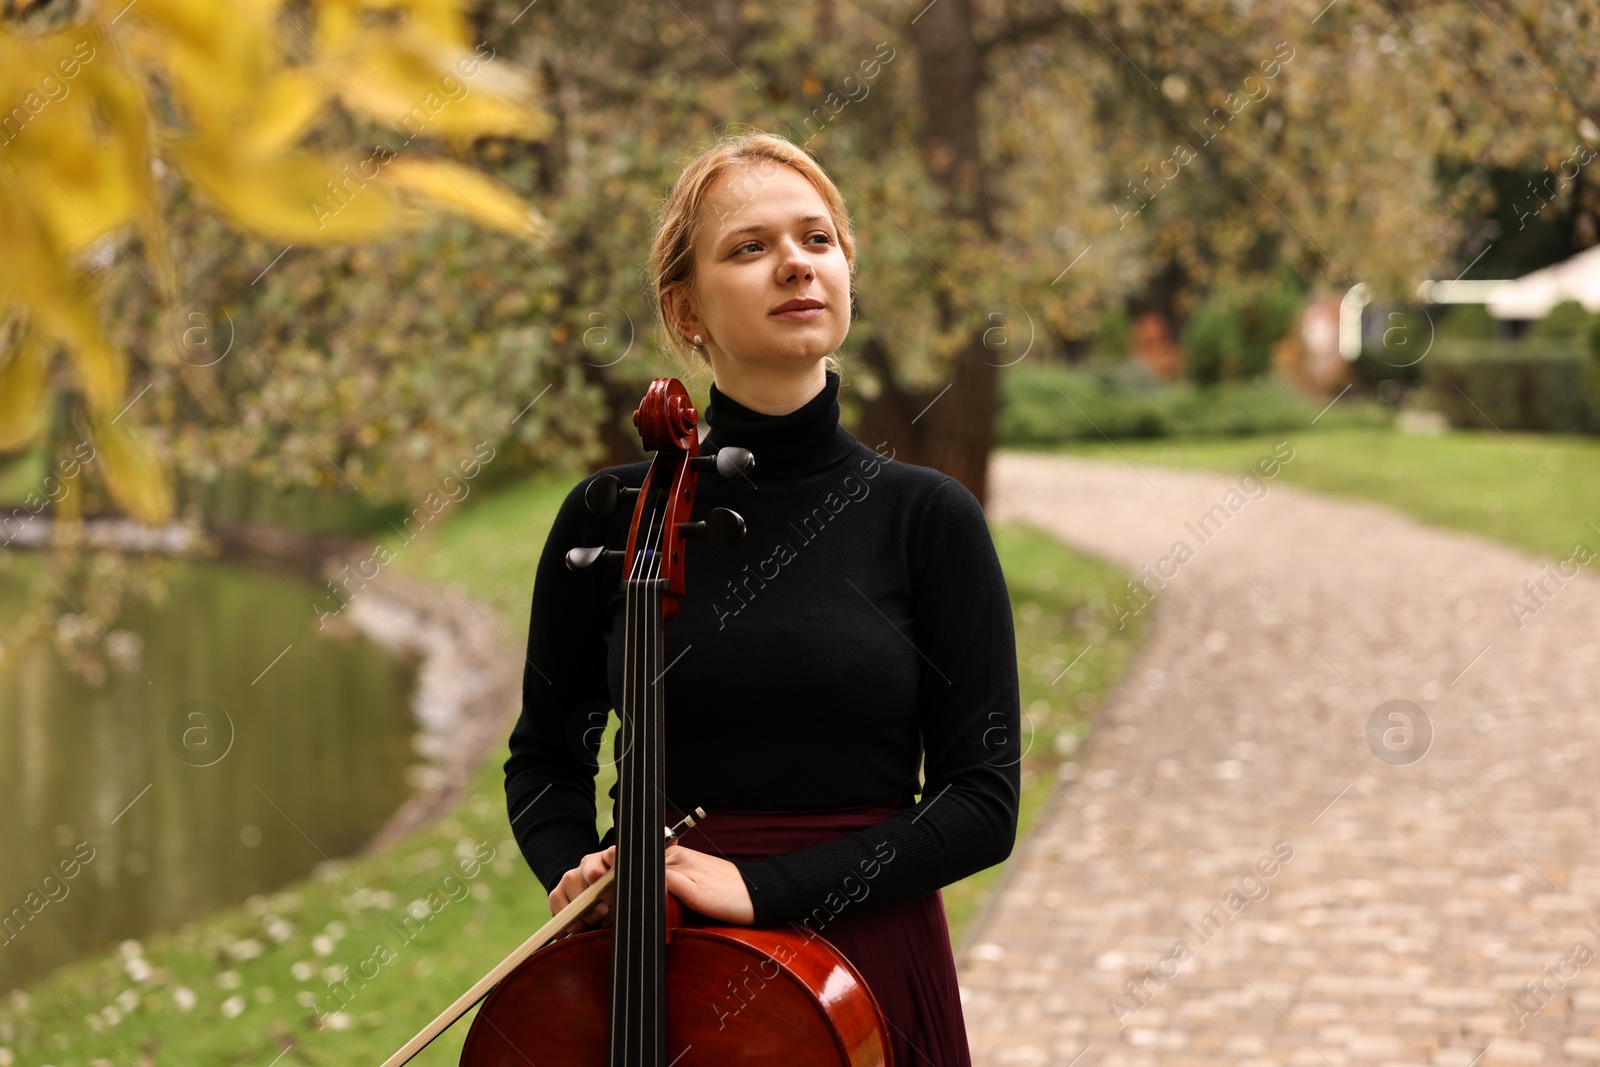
[645,562]
[619,897]
[656,948]
[623,923]
[622,945]
[639,939]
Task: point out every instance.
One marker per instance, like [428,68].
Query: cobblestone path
[1237,869]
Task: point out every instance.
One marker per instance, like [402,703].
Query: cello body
[735,995]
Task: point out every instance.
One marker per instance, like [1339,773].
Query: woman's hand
[709,884]
[575,881]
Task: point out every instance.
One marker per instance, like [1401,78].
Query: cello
[662,986]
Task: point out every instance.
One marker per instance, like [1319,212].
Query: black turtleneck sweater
[861,627]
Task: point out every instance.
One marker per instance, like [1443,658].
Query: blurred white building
[1530,296]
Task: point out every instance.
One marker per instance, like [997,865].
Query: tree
[1010,169]
[1016,167]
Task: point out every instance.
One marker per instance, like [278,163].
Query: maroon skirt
[903,950]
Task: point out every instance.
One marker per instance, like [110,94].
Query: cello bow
[558,922]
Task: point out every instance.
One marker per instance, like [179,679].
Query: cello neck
[638,1025]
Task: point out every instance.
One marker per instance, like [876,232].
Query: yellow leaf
[338,21]
[123,108]
[299,198]
[287,109]
[22,395]
[82,206]
[441,20]
[98,367]
[426,89]
[34,275]
[79,153]
[202,23]
[130,470]
[217,55]
[467,192]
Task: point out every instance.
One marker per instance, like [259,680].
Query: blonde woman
[860,634]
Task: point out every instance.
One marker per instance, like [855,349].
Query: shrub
[1467,322]
[1592,337]
[1054,404]
[1050,405]
[1213,342]
[1113,335]
[1230,337]
[1538,384]
[1567,319]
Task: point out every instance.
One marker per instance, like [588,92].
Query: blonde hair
[672,244]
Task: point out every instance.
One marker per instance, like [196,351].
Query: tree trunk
[950,429]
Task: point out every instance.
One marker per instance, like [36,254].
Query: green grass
[271,953]
[489,545]
[1062,603]
[1540,491]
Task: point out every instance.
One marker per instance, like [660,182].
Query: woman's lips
[799,314]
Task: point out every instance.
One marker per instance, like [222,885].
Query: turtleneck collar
[806,439]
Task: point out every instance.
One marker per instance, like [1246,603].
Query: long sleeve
[969,715]
[555,744]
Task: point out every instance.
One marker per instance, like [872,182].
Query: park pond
[222,747]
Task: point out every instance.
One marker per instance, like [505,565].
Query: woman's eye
[825,240]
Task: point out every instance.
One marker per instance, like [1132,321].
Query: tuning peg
[731,461]
[579,558]
[605,493]
[726,461]
[722,528]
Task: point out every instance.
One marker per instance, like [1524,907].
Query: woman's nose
[795,263]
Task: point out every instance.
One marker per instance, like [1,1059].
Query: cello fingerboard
[638,1022]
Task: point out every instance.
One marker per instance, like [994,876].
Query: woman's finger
[574,882]
[597,863]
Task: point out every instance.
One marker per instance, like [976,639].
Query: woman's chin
[799,345]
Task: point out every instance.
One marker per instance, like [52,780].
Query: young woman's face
[766,239]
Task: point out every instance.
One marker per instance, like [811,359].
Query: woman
[862,626]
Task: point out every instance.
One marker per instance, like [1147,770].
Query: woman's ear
[684,320]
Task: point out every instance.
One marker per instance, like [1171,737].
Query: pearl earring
[697,339]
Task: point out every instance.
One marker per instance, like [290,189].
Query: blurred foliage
[1546,381]
[112,123]
[1055,404]
[1113,334]
[1230,337]
[1536,383]
[1567,319]
[1467,322]
[1214,344]
[375,368]
[1532,214]
[1591,339]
